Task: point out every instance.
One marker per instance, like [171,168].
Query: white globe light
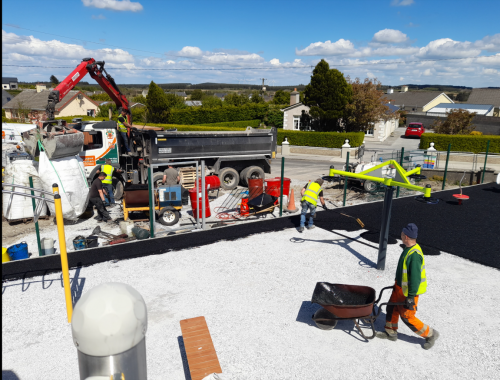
[109,319]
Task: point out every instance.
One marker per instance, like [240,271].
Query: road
[300,169]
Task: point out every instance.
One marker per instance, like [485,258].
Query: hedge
[321,139]
[198,116]
[187,128]
[235,124]
[461,143]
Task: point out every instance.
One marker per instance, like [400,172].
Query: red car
[414,129]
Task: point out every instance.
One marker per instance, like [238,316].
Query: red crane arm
[96,71]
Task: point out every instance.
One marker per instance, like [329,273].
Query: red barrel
[197,206]
[273,186]
[255,187]
[212,182]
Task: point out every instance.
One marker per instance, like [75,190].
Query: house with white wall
[9,83]
[416,101]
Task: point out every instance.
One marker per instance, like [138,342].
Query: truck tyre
[370,187]
[229,178]
[117,189]
[252,172]
[157,179]
[168,217]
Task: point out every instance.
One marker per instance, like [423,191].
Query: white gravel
[254,293]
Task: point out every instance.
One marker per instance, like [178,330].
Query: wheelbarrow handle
[380,295]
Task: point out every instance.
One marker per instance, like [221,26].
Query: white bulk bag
[17,206]
[68,173]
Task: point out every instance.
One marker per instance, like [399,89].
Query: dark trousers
[125,141]
[109,196]
[102,214]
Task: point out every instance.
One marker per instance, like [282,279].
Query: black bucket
[92,241]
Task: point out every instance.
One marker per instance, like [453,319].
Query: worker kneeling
[310,194]
[411,281]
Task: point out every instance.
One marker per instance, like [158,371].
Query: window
[92,141]
[296,123]
[369,132]
[91,113]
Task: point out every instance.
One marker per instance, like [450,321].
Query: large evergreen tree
[157,104]
[327,95]
[54,80]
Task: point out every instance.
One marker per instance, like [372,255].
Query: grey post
[203,194]
[109,331]
[384,231]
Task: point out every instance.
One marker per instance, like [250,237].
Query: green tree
[211,102]
[197,95]
[54,80]
[327,95]
[462,96]
[174,101]
[458,122]
[281,97]
[157,105]
[233,99]
[256,98]
[139,99]
[367,105]
[100,97]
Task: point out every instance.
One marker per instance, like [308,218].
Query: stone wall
[488,125]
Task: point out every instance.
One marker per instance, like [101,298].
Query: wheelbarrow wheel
[324,319]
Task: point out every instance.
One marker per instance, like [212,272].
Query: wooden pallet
[188,177]
[200,350]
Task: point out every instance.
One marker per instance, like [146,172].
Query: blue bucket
[79,243]
[18,251]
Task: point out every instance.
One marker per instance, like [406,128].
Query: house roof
[7,80]
[38,100]
[392,108]
[6,97]
[413,98]
[220,94]
[485,96]
[481,109]
[193,103]
[290,107]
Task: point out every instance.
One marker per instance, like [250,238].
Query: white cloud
[99,17]
[491,72]
[401,78]
[190,51]
[114,5]
[489,43]
[401,3]
[274,61]
[428,72]
[339,47]
[447,48]
[390,36]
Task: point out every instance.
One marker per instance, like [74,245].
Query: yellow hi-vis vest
[423,280]
[121,126]
[108,169]
[311,193]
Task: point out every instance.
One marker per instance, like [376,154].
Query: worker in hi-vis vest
[107,183]
[411,281]
[123,127]
[310,194]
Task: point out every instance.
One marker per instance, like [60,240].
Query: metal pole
[485,160]
[37,230]
[196,186]
[203,194]
[384,231]
[151,204]
[446,166]
[64,255]
[345,178]
[281,188]
[400,163]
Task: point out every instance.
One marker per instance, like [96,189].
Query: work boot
[430,340]
[301,229]
[310,227]
[387,334]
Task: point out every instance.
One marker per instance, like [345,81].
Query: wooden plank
[199,347]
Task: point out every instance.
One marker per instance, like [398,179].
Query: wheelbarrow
[347,302]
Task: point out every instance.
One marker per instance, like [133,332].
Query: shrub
[321,139]
[476,133]
[188,128]
[235,124]
[201,115]
[461,143]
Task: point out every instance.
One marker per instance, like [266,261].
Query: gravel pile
[255,295]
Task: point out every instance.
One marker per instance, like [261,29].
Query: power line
[152,69]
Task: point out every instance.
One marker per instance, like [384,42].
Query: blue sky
[397,41]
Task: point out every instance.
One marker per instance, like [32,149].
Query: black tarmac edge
[470,230]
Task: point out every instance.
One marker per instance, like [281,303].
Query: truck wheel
[252,172]
[157,179]
[117,188]
[229,178]
[168,217]
[370,186]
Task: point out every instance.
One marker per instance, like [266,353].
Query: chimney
[40,87]
[294,97]
[404,88]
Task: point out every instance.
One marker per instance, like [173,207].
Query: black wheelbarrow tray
[347,302]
